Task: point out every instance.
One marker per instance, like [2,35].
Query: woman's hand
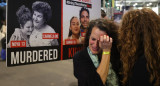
[105,43]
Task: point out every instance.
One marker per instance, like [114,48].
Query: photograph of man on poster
[42,34]
[74,25]
[84,19]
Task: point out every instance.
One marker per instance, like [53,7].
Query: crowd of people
[125,54]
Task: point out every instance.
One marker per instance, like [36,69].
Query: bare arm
[105,44]
[15,36]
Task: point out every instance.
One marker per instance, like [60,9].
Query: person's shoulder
[80,54]
[49,29]
[17,31]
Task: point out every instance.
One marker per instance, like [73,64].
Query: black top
[140,75]
[3,42]
[85,71]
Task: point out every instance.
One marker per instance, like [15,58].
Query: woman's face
[38,20]
[94,40]
[28,27]
[75,26]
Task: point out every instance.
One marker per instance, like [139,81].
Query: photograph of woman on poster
[74,31]
[42,13]
[24,17]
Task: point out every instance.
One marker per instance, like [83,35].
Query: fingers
[101,38]
[111,40]
[105,42]
[106,39]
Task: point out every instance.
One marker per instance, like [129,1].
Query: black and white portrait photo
[38,23]
[33,31]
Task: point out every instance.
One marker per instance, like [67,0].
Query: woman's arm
[105,44]
[15,36]
[85,71]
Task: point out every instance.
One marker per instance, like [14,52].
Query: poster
[33,32]
[76,17]
[39,30]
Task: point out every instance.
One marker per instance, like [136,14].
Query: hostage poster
[33,31]
[76,17]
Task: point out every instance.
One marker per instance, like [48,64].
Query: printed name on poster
[16,44]
[79,4]
[50,36]
[70,41]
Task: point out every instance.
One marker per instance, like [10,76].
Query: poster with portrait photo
[33,31]
[73,37]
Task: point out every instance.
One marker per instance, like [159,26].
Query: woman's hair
[112,31]
[140,34]
[70,31]
[44,8]
[23,15]
[104,25]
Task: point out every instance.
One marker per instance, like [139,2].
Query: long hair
[140,35]
[112,30]
[70,31]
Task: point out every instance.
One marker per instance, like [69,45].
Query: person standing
[139,43]
[98,63]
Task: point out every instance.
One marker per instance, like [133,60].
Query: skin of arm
[103,69]
[15,36]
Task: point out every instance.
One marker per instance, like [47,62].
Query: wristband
[106,53]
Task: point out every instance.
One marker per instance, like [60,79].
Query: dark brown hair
[44,8]
[23,15]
